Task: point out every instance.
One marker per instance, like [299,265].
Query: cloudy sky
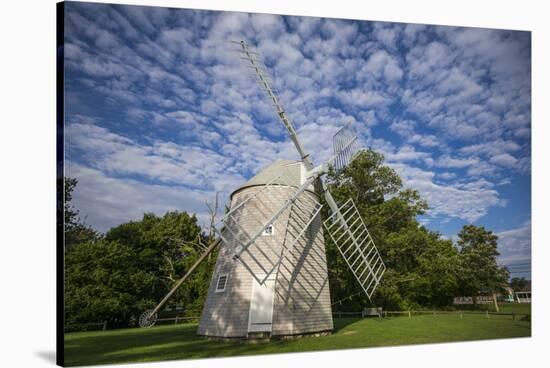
[161,113]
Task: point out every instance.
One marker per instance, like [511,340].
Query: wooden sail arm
[186,276]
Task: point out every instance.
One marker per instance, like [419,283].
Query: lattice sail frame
[255,63]
[356,246]
[258,254]
[346,146]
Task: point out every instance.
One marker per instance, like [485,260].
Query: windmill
[271,275]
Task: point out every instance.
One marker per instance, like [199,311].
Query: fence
[97,326]
[347,314]
[523,296]
[480,299]
[434,313]
[179,319]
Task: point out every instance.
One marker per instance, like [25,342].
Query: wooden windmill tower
[271,274]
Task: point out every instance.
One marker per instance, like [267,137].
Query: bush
[103,282]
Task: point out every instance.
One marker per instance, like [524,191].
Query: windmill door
[261,305]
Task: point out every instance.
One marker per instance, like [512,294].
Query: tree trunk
[495,301]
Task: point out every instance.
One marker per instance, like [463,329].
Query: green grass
[504,308]
[180,342]
[515,308]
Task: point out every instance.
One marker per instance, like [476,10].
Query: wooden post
[105,326]
[487,314]
[176,320]
[178,284]
[460,314]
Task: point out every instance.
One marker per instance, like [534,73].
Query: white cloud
[406,153]
[387,35]
[468,201]
[427,140]
[446,175]
[106,201]
[162,161]
[381,63]
[482,168]
[491,148]
[447,161]
[363,98]
[424,59]
[462,95]
[404,128]
[268,25]
[471,84]
[504,159]
[411,32]
[186,118]
[515,245]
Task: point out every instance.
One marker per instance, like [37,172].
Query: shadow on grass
[152,344]
[181,342]
[341,323]
[163,343]
[173,342]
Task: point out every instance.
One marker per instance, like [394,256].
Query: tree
[518,283]
[425,266]
[133,266]
[117,276]
[479,271]
[75,228]
[167,247]
[421,267]
[367,181]
[105,282]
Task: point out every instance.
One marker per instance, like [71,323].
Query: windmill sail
[348,231]
[255,62]
[346,147]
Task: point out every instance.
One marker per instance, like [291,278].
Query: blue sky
[161,113]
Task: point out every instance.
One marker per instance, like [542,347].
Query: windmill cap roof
[283,171]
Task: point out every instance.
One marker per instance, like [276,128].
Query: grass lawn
[515,308]
[180,342]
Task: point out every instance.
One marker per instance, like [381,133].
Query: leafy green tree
[118,276]
[167,247]
[518,283]
[104,281]
[479,271]
[421,266]
[426,264]
[132,268]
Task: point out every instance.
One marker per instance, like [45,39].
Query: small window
[222,281]
[268,231]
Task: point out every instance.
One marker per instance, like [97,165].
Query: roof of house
[285,172]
